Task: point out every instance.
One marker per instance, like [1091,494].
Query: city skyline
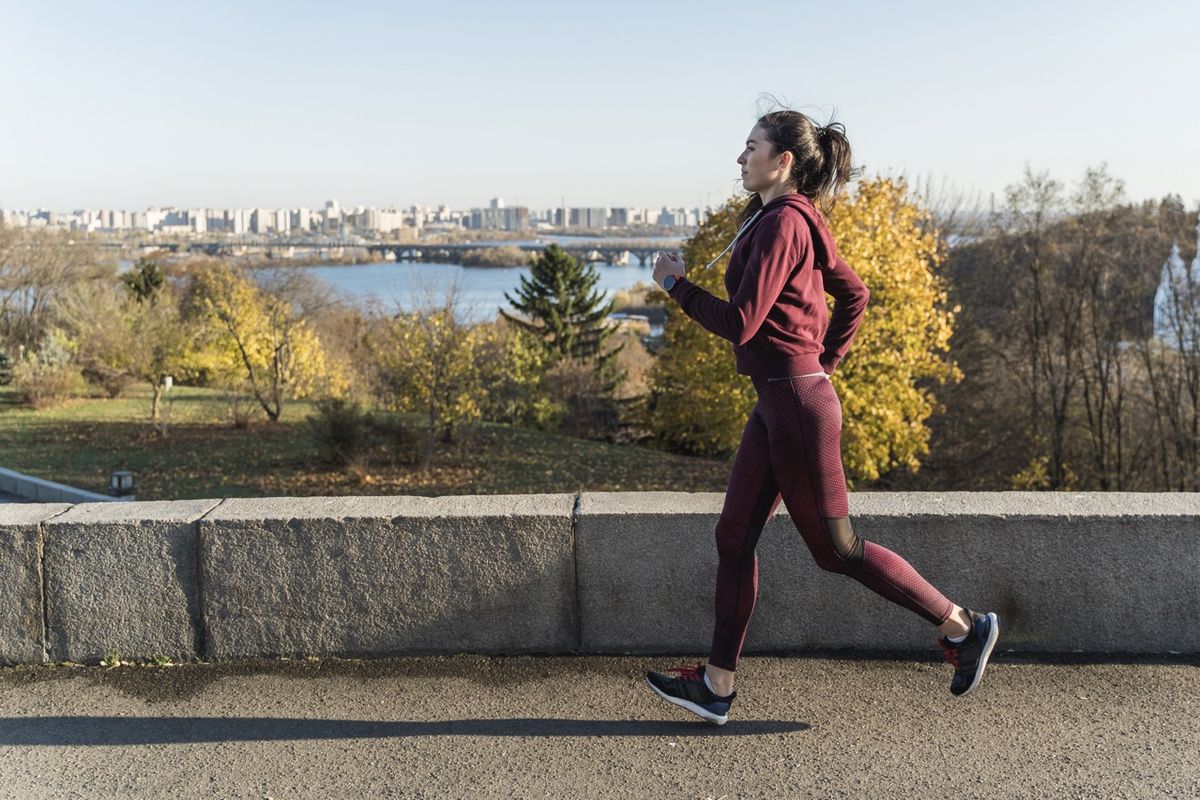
[140,105]
[335,218]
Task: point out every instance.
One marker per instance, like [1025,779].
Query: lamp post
[120,484]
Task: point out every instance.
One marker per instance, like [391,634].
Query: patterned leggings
[791,450]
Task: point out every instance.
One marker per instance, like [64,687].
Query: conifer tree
[146,278]
[565,310]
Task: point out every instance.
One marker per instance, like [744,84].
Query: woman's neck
[778,190]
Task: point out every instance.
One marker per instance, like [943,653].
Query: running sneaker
[970,656]
[689,691]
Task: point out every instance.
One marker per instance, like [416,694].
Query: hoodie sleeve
[776,250]
[850,303]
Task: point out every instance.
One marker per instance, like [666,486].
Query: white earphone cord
[736,237]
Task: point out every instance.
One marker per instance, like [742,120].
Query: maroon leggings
[791,450]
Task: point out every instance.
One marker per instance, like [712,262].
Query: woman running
[783,261]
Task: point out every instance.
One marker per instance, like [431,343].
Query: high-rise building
[589,217]
[302,220]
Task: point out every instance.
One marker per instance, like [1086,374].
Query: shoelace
[950,656]
[688,673]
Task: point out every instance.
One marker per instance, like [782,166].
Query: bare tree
[1172,361]
[36,268]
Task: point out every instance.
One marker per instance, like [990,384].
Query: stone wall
[587,573]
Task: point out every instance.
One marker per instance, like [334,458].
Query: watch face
[669,282]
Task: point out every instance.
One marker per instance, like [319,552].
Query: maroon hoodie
[777,277]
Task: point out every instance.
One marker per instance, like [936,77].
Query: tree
[257,342]
[1172,361]
[901,351]
[425,361]
[566,310]
[1066,385]
[36,269]
[145,279]
[698,403]
[512,365]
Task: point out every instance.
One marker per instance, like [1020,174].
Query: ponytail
[821,157]
[835,170]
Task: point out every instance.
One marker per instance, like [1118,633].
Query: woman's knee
[732,539]
[842,550]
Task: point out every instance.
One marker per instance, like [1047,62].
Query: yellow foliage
[699,402]
[512,365]
[904,339]
[427,361]
[257,341]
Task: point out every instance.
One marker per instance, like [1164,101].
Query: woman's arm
[776,250]
[850,303]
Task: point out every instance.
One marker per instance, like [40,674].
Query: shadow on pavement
[72,731]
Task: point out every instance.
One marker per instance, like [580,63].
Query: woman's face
[761,170]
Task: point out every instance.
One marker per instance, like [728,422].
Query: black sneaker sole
[985,653]
[700,711]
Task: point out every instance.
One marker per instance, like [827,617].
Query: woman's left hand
[667,264]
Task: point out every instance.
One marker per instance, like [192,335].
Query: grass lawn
[204,456]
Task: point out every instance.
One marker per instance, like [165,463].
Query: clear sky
[249,103]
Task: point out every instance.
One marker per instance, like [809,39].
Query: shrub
[47,377]
[340,429]
[585,409]
[402,441]
[112,382]
[42,385]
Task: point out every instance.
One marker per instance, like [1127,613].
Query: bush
[40,385]
[6,368]
[340,429]
[112,382]
[403,441]
[585,409]
[48,377]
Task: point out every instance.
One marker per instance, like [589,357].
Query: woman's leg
[750,499]
[804,420]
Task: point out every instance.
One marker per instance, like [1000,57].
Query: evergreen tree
[145,280]
[566,310]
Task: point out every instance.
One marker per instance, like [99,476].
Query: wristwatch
[670,281]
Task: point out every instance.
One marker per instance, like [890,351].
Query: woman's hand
[668,264]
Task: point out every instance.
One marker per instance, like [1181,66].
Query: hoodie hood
[825,248]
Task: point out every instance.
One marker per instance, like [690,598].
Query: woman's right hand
[668,264]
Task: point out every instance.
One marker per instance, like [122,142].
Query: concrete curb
[40,490]
[560,573]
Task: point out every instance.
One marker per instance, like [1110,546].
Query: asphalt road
[583,727]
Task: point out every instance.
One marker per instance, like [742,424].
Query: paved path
[477,727]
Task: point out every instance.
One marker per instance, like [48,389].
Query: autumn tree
[1171,358]
[257,342]
[37,268]
[698,403]
[512,367]
[901,351]
[425,362]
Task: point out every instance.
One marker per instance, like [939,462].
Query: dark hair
[821,165]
